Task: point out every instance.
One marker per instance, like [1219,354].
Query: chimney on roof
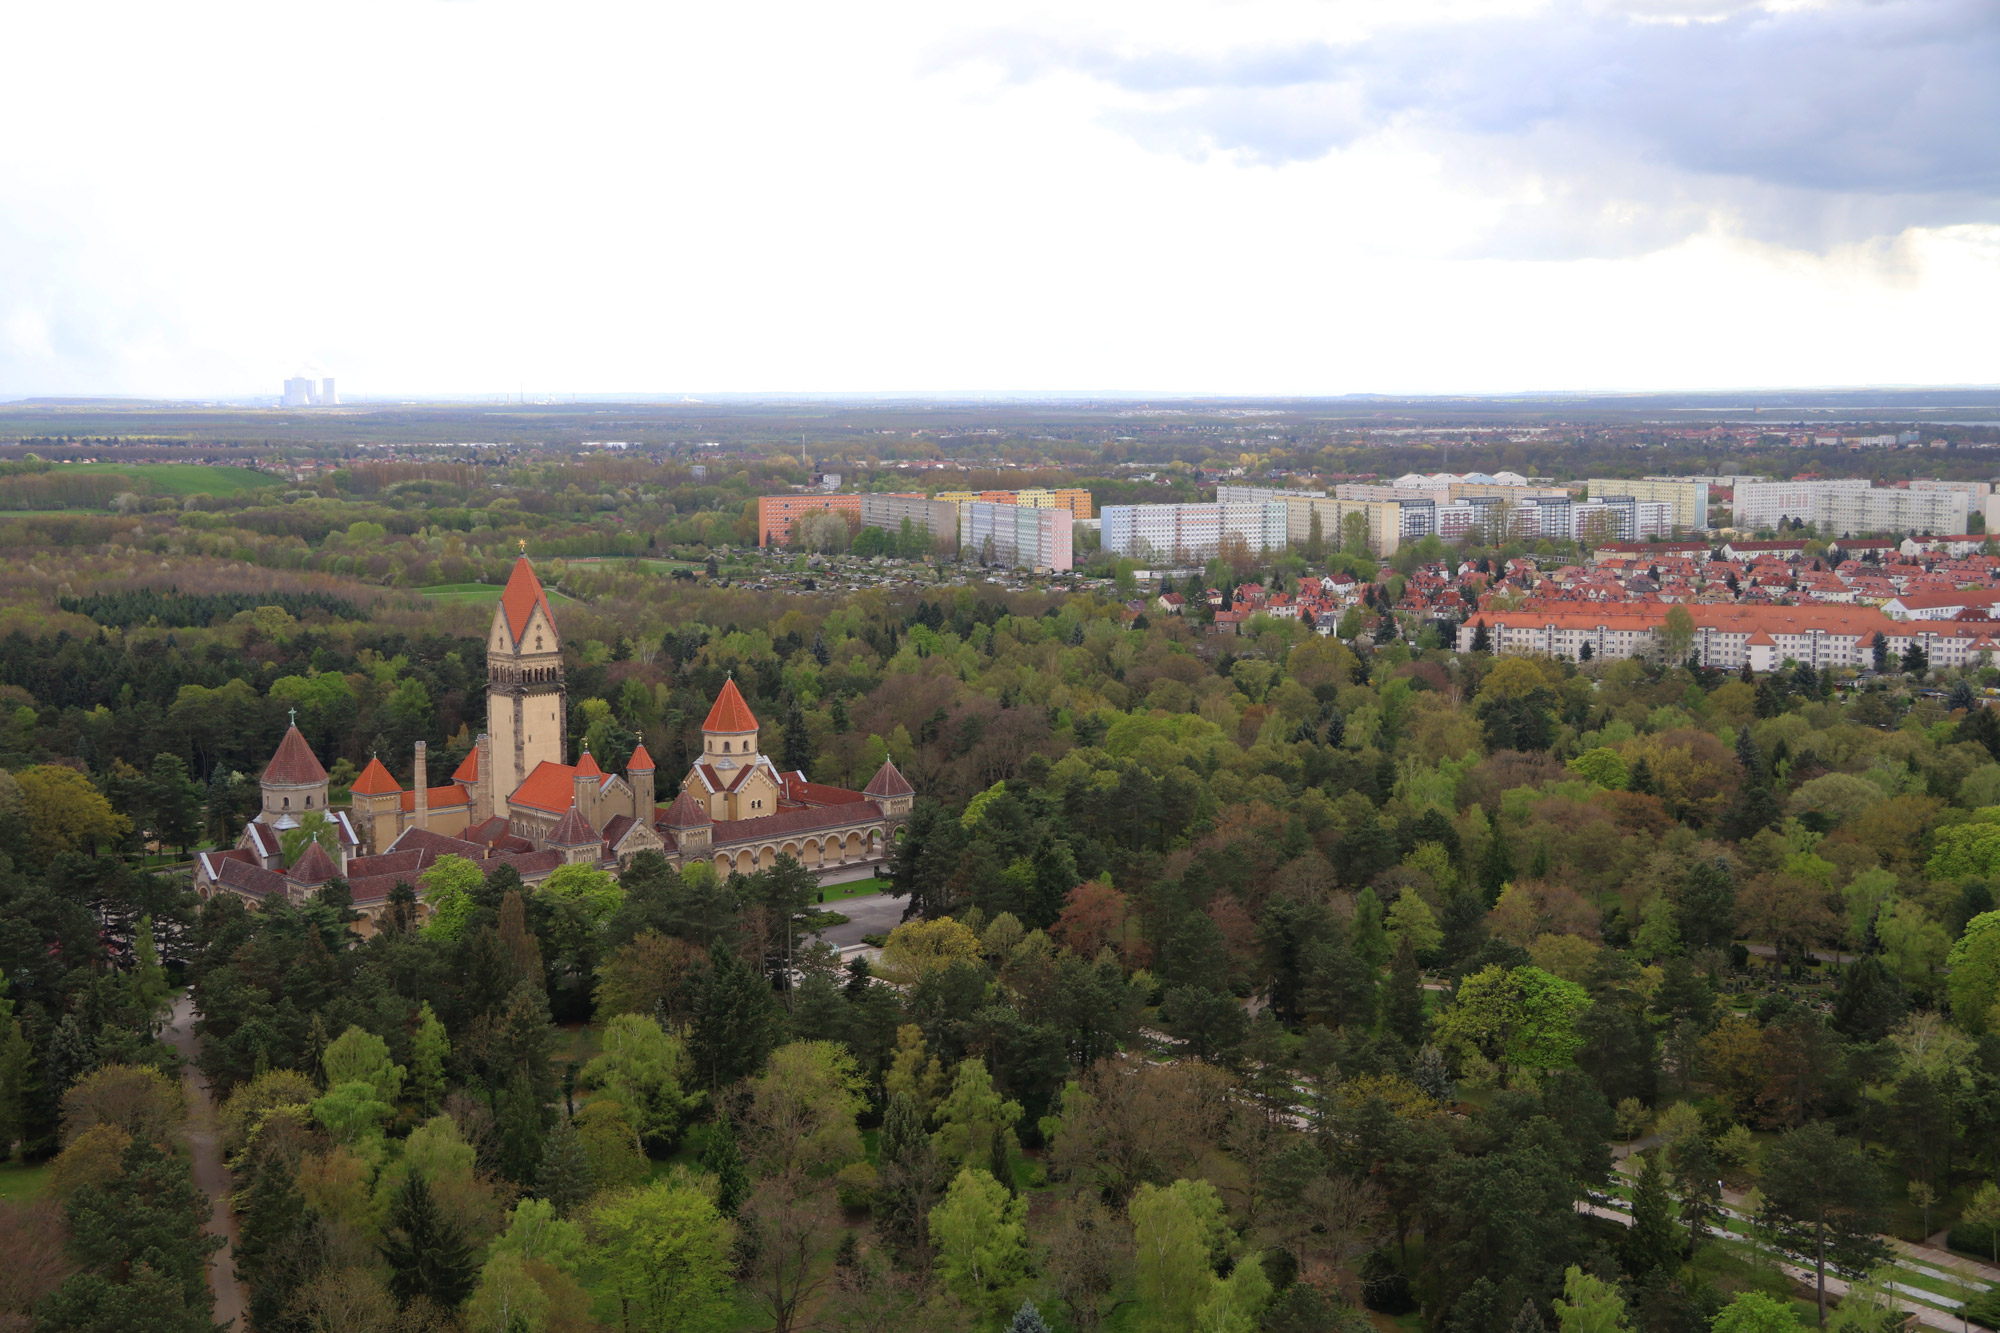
[482,786]
[423,784]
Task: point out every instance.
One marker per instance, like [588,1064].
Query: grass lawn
[860,888]
[18,1184]
[183,478]
[479,592]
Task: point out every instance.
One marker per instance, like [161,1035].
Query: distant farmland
[96,485]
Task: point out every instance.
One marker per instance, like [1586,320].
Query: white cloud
[1254,197]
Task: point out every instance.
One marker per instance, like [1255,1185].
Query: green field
[18,1184]
[860,888]
[182,478]
[479,593]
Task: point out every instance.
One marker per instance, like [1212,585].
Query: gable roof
[730,713]
[294,764]
[524,593]
[375,780]
[888,782]
[551,787]
[468,768]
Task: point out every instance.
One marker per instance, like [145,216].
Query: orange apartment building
[776,513]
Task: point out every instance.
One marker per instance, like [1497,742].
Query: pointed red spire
[640,762]
[524,593]
[730,712]
[294,765]
[375,780]
[314,866]
[586,767]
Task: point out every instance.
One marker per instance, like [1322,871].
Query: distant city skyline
[1232,199]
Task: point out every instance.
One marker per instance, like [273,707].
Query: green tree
[1522,1017]
[564,1177]
[982,1241]
[1589,1305]
[910,1178]
[429,1050]
[1175,1232]
[1411,918]
[645,1069]
[449,887]
[972,1116]
[352,1112]
[357,1056]
[1823,1198]
[175,801]
[1235,1302]
[140,1241]
[1983,1210]
[667,1253]
[1975,973]
[736,1022]
[1755,1312]
[1654,1242]
[426,1251]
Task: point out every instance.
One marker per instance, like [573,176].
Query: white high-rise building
[1191,533]
[1763,504]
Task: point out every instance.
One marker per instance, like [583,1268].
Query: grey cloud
[1808,125]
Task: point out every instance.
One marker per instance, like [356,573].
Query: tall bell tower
[526,714]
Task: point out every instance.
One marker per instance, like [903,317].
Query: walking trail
[210,1176]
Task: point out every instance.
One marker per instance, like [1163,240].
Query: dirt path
[210,1176]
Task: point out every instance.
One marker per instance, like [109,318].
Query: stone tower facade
[527,717]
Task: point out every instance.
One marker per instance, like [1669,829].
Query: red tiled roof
[732,831]
[374,780]
[314,866]
[468,770]
[572,830]
[294,765]
[730,713]
[640,762]
[524,593]
[888,782]
[586,767]
[550,787]
[252,880]
[798,789]
[686,810]
[438,797]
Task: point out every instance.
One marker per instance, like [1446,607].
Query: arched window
[725,747]
[288,803]
[309,802]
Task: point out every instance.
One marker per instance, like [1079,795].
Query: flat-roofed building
[1191,533]
[777,513]
[1017,535]
[1689,498]
[939,518]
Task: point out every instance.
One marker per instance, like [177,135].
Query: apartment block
[937,517]
[1764,504]
[1840,513]
[776,513]
[1689,498]
[1190,533]
[1017,535]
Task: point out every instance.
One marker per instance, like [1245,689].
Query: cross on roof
[294,713]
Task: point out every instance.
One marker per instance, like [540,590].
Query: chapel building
[514,800]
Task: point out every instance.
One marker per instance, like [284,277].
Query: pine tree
[1654,1241]
[736,1020]
[1028,1319]
[71,1055]
[798,741]
[426,1252]
[910,1174]
[1528,1319]
[564,1177]
[1432,1076]
[428,1052]
[521,1117]
[721,1158]
[518,943]
[1496,868]
[1403,996]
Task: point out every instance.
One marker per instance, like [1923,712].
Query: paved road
[877,914]
[210,1176]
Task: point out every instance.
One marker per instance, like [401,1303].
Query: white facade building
[1018,535]
[1689,498]
[1188,533]
[1764,504]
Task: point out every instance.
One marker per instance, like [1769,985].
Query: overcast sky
[1243,197]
